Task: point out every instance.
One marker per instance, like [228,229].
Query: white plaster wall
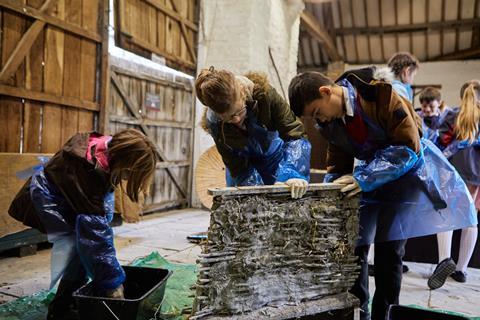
[236,35]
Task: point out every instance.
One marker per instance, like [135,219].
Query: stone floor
[166,232]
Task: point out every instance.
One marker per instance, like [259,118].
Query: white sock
[444,240]
[371,254]
[467,245]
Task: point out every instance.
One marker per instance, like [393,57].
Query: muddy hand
[115,293]
[351,187]
[298,187]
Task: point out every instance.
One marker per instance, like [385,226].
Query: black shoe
[441,273]
[459,276]
[405,269]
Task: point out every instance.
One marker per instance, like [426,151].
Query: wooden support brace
[130,106]
[317,32]
[184,33]
[24,45]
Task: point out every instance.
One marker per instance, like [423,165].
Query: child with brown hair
[71,200]
[403,195]
[433,111]
[259,138]
[459,137]
[404,66]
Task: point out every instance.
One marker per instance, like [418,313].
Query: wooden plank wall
[165,27]
[55,90]
[170,127]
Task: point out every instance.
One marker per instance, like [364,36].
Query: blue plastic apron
[425,200]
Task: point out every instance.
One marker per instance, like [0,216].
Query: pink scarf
[101,146]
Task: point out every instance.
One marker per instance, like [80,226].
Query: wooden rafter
[476,31]
[439,25]
[318,33]
[397,41]
[130,106]
[382,41]
[14,5]
[442,21]
[369,46]
[340,14]
[48,98]
[427,19]
[355,40]
[459,55]
[24,45]
[457,31]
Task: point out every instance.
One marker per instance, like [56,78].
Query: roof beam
[451,24]
[318,33]
[460,55]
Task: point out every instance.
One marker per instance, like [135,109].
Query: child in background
[404,66]
[433,110]
[460,141]
[71,200]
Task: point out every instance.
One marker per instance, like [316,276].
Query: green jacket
[271,111]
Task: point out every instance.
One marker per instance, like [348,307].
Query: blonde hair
[217,89]
[466,125]
[132,157]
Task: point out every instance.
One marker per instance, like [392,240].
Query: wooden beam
[103,84]
[172,14]
[427,19]
[51,21]
[470,53]
[49,98]
[344,47]
[442,21]
[172,164]
[439,25]
[146,77]
[24,45]
[317,32]
[278,188]
[355,40]
[151,122]
[185,34]
[369,46]
[147,46]
[130,106]
[397,40]
[382,42]
[457,31]
[164,205]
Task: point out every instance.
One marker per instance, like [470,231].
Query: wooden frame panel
[51,71]
[170,30]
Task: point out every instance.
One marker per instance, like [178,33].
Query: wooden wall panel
[56,89]
[169,124]
[164,27]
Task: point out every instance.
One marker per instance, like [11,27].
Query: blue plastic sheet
[87,235]
[406,208]
[388,164]
[270,158]
[97,252]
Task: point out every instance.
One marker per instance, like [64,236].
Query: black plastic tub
[408,313]
[144,292]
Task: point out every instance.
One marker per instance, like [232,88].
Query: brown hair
[466,125]
[402,60]
[430,94]
[303,89]
[132,157]
[217,89]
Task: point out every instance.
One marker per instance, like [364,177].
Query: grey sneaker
[441,273]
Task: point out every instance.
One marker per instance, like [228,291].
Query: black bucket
[408,313]
[144,292]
